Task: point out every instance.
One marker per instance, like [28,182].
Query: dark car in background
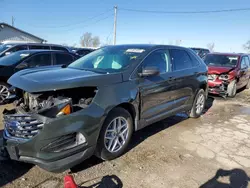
[84,51]
[227,72]
[6,49]
[29,59]
[202,52]
[93,106]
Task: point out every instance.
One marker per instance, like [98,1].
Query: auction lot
[176,152]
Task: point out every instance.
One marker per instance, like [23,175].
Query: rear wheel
[232,89]
[198,104]
[4,91]
[115,134]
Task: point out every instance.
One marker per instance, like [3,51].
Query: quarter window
[159,59]
[58,48]
[180,59]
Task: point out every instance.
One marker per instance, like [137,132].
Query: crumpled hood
[39,80]
[219,70]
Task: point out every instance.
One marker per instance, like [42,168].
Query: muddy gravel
[212,151]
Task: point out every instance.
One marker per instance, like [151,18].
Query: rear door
[185,73]
[62,58]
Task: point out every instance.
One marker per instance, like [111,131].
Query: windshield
[221,60]
[13,58]
[4,47]
[108,59]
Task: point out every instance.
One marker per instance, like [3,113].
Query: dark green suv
[65,115]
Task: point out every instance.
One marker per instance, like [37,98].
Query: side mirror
[149,71]
[23,65]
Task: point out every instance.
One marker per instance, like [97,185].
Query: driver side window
[243,63]
[159,59]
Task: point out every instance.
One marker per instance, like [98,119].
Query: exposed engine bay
[52,102]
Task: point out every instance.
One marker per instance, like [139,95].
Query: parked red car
[227,72]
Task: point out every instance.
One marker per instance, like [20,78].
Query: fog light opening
[80,139]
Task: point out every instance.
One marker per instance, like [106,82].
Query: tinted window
[244,62]
[63,59]
[17,48]
[221,60]
[58,48]
[33,47]
[83,52]
[180,59]
[39,60]
[159,59]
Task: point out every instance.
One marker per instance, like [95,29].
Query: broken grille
[22,126]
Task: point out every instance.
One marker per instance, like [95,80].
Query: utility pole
[12,21]
[115,18]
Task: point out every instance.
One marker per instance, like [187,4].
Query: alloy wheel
[200,103]
[116,134]
[4,92]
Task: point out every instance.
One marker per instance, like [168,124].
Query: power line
[72,24]
[97,21]
[185,12]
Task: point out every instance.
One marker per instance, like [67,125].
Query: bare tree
[96,41]
[210,46]
[88,41]
[246,46]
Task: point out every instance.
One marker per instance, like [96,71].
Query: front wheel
[115,134]
[232,89]
[198,104]
[4,92]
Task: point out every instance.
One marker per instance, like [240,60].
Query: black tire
[3,84]
[101,150]
[231,89]
[193,112]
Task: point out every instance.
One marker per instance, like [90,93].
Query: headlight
[212,77]
[224,77]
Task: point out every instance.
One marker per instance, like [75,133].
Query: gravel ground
[212,151]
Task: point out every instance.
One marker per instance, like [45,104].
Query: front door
[157,92]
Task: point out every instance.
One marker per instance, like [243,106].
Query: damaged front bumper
[218,87]
[54,144]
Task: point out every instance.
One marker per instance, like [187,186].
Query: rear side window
[38,60]
[34,47]
[58,48]
[180,60]
[63,59]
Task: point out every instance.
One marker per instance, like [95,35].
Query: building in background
[10,34]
